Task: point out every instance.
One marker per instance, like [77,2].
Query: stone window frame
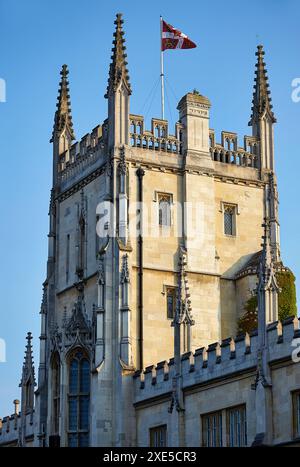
[240,407]
[225,414]
[295,395]
[167,289]
[155,430]
[160,194]
[56,399]
[206,417]
[236,212]
[78,394]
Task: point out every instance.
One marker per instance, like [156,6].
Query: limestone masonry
[139,318]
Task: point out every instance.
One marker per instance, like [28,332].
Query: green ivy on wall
[287,305]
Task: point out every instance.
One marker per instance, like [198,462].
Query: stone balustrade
[158,139]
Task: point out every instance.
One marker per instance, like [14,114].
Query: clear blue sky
[37,37]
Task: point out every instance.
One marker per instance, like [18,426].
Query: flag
[172,38]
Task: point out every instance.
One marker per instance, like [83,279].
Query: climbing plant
[286,302]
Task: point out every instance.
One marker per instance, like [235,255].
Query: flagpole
[162,72]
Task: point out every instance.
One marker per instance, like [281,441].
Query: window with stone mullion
[79,398]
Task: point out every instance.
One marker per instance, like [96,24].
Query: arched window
[56,392]
[79,400]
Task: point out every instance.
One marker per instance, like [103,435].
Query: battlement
[83,153]
[218,360]
[10,427]
[228,152]
[158,139]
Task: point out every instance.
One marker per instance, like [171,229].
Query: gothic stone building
[120,296]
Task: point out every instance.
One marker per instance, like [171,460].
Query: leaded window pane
[171,303]
[79,400]
[84,412]
[165,211]
[74,377]
[73,413]
[83,440]
[212,430]
[158,436]
[237,427]
[73,440]
[228,222]
[85,376]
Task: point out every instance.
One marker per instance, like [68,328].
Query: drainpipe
[140,174]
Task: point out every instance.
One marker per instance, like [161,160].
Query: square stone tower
[127,205]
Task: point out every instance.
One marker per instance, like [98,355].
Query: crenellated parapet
[156,139]
[10,428]
[223,359]
[228,151]
[83,153]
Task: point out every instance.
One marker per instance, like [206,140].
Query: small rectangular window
[296,413]
[158,436]
[171,302]
[212,430]
[164,206]
[230,220]
[237,426]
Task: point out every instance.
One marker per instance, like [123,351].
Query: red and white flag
[172,38]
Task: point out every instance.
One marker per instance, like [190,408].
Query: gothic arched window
[56,392]
[79,399]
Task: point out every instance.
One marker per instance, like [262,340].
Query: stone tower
[142,224]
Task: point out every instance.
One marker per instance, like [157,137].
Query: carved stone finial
[261,103]
[125,270]
[267,279]
[122,163]
[183,312]
[118,71]
[63,116]
[28,372]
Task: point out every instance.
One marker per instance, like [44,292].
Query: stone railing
[158,139]
[228,151]
[239,157]
[217,360]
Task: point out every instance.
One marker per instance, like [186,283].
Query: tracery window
[79,400]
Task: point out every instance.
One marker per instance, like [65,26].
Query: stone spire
[28,375]
[27,385]
[261,103]
[118,72]
[63,117]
